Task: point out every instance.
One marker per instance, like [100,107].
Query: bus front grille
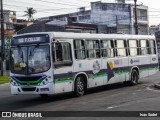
[29,89]
[29,80]
[33,78]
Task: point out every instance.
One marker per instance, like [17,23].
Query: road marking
[117,106]
[151,88]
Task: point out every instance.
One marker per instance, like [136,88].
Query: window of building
[79,49]
[144,47]
[120,47]
[93,49]
[107,48]
[152,47]
[133,50]
[60,56]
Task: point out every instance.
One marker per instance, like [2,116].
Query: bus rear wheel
[134,77]
[79,88]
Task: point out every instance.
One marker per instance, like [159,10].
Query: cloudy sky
[54,7]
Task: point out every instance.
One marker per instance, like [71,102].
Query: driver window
[61,54]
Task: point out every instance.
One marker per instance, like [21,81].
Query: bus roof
[100,36]
[67,35]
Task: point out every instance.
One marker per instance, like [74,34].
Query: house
[113,15]
[153,29]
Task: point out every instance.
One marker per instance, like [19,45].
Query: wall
[110,13]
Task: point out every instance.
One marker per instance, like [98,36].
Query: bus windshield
[30,59]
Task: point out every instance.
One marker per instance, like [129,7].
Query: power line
[36,5]
[154,8]
[57,3]
[38,9]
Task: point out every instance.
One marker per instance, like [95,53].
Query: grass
[4,79]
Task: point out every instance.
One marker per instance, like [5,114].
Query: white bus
[56,62]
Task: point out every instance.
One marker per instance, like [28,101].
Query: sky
[46,8]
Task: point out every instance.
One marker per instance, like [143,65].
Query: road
[116,97]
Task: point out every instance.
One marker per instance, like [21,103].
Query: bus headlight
[44,82]
[13,82]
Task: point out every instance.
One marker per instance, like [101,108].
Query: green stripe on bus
[103,74]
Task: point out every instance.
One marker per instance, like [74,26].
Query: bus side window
[152,47]
[79,49]
[132,45]
[97,48]
[144,47]
[59,52]
[120,48]
[107,48]
[93,49]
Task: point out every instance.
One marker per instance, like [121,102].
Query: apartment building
[117,15]
[9,21]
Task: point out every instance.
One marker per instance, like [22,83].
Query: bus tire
[79,88]
[134,77]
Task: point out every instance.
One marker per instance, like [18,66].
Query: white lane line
[117,106]
[153,89]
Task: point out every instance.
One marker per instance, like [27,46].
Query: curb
[157,85]
[4,84]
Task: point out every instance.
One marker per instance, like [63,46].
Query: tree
[8,36]
[29,13]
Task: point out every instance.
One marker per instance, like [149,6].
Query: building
[44,26]
[118,17]
[153,29]
[9,21]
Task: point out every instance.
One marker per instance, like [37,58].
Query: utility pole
[135,13]
[2,39]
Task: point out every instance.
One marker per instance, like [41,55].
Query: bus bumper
[45,89]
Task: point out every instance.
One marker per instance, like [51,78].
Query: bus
[48,63]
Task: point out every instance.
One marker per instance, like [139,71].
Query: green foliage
[4,79]
[8,37]
[29,13]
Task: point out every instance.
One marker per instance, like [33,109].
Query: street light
[2,38]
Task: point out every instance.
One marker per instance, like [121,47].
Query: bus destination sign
[30,39]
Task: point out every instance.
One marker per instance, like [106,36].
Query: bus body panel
[153,64]
[121,68]
[108,72]
[144,64]
[94,75]
[63,78]
[133,62]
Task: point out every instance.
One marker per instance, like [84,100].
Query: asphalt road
[116,97]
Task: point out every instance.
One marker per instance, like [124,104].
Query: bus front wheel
[134,77]
[79,86]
